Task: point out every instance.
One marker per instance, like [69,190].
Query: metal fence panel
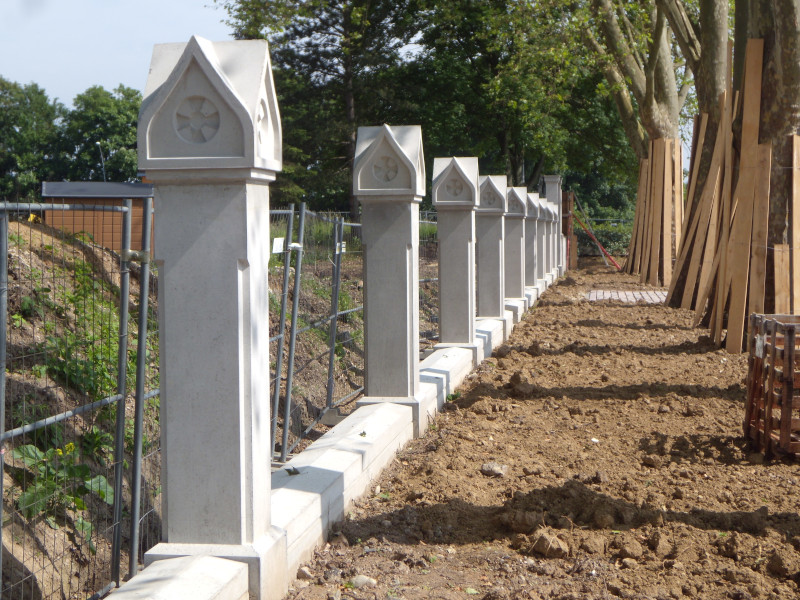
[69,329]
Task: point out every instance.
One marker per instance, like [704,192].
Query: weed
[27,412]
[59,482]
[97,444]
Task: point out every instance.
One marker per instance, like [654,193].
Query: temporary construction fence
[80,479]
[81,483]
[318,338]
[317,327]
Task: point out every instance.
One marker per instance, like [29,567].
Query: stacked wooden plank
[657,224]
[724,252]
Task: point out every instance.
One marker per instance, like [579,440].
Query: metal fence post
[298,265]
[337,279]
[122,371]
[141,359]
[287,259]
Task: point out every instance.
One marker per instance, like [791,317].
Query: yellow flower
[70,448]
[59,451]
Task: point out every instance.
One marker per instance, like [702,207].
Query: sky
[67,46]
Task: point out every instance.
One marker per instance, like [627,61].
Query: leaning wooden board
[738,252]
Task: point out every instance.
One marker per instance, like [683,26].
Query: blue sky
[66,46]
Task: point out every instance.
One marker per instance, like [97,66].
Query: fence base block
[266,562]
[518,307]
[189,577]
[421,408]
[531,295]
[476,349]
[493,332]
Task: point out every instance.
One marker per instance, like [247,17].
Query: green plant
[98,444]
[18,321]
[59,482]
[614,236]
[30,307]
[16,239]
[27,412]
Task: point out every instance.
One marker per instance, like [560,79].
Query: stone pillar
[531,229]
[389,180]
[209,138]
[515,242]
[555,236]
[541,246]
[490,254]
[455,196]
[552,185]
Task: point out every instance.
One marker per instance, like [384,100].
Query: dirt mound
[598,454]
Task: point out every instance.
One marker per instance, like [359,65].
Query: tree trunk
[710,68]
[778,23]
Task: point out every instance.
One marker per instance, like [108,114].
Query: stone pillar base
[268,577]
[419,411]
[476,349]
[518,307]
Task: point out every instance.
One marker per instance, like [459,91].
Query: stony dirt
[598,454]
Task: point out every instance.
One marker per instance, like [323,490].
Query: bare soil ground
[598,454]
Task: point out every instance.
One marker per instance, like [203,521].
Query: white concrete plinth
[552,184]
[447,367]
[187,578]
[515,242]
[314,489]
[267,573]
[532,296]
[455,196]
[209,138]
[492,332]
[389,181]
[518,307]
[490,286]
[531,227]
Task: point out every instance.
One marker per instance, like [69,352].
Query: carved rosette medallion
[454,187]
[488,198]
[385,168]
[197,120]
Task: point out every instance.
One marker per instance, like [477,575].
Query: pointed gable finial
[533,205]
[517,202]
[455,182]
[389,162]
[210,105]
[493,196]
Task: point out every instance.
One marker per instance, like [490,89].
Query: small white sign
[277,245]
[344,247]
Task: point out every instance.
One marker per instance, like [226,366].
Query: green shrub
[615,237]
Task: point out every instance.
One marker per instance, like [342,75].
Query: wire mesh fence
[318,334]
[81,481]
[428,280]
[74,311]
[321,364]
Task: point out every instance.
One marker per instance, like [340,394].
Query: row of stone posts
[505,237]
[210,141]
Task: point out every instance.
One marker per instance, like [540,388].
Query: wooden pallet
[772,421]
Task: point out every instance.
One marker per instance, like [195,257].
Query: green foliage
[85,359]
[614,236]
[60,481]
[105,118]
[28,132]
[27,412]
[98,444]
